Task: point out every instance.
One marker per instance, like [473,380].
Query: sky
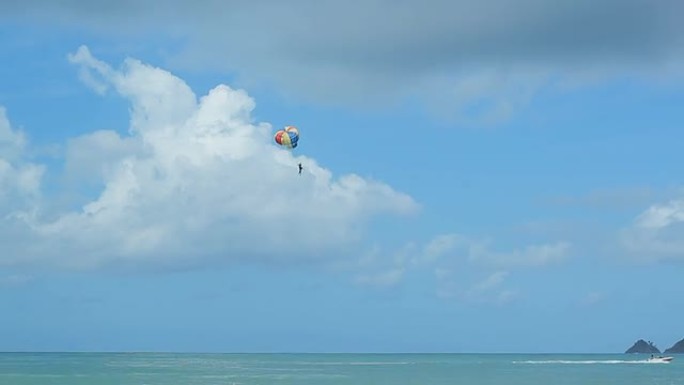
[479,176]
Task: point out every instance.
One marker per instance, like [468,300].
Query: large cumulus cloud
[195,179]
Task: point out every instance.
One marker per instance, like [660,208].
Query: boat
[660,359]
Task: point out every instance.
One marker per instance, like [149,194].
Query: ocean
[334,369]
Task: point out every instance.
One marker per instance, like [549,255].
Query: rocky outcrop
[676,348]
[642,346]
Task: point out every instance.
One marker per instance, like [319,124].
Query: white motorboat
[660,359]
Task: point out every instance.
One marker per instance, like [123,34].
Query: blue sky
[506,185]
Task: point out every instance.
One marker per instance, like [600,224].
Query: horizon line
[302,352]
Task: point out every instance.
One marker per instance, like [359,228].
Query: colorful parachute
[287,137]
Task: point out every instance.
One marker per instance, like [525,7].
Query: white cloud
[19,180]
[12,142]
[491,282]
[93,156]
[453,260]
[661,215]
[376,269]
[656,234]
[448,247]
[196,180]
[489,289]
[532,255]
[439,247]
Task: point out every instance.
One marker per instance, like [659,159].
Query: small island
[676,348]
[642,347]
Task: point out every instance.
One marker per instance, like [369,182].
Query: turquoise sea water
[333,369]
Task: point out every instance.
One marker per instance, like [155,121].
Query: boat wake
[592,362]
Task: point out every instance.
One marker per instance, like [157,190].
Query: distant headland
[644,347]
